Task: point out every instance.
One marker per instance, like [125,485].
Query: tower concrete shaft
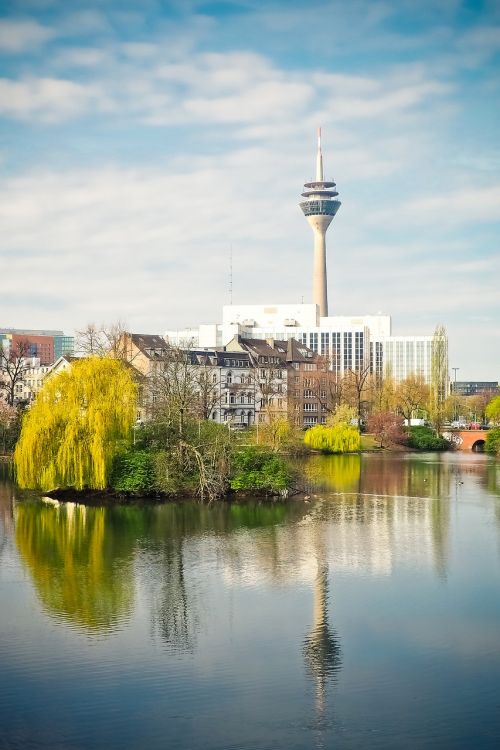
[319,208]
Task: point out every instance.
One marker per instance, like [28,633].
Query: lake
[365,616]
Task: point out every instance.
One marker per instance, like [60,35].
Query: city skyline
[142,141]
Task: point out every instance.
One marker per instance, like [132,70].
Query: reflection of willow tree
[79,559]
[334,473]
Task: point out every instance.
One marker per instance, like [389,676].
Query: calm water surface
[367,617]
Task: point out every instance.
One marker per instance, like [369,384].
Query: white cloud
[150,245]
[48,99]
[81,57]
[22,35]
[472,204]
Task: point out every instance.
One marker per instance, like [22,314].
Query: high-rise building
[319,208]
[350,343]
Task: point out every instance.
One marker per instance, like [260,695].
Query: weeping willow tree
[341,438]
[80,560]
[80,420]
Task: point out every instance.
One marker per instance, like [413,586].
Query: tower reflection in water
[321,646]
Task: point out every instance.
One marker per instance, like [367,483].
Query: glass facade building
[64,345]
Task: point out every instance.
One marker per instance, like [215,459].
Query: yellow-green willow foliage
[341,438]
[74,429]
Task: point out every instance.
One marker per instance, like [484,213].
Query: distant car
[474,426]
[457,425]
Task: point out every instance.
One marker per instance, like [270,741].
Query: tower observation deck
[319,208]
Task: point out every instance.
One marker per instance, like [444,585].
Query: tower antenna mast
[319,208]
[230,274]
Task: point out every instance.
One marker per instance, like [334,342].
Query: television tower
[319,208]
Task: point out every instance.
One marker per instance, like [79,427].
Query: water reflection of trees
[333,473]
[174,595]
[79,560]
[6,506]
[384,508]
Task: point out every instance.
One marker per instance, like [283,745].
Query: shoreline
[111,498]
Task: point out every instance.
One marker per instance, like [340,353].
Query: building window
[347,351]
[359,350]
[313,341]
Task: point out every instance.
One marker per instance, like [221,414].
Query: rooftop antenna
[230,274]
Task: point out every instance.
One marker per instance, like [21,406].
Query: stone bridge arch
[466,440]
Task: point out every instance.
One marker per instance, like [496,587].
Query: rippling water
[367,615]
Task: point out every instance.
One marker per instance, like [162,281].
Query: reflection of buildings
[374,534]
[368,533]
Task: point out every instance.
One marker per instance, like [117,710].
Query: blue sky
[140,140]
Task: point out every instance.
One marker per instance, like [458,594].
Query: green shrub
[492,443]
[259,469]
[426,439]
[341,438]
[134,471]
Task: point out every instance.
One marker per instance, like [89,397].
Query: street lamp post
[455,388]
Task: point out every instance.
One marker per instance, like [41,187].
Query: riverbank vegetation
[83,430]
[10,427]
[492,444]
[81,433]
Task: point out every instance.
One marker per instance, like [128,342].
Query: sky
[141,143]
